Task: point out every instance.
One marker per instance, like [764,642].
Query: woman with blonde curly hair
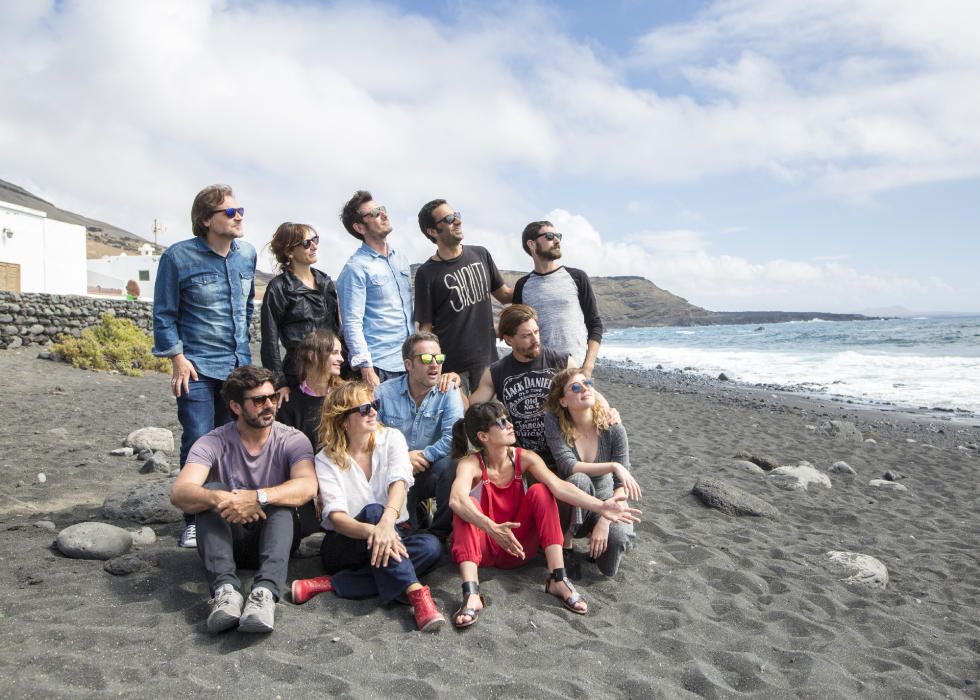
[364,473]
[593,455]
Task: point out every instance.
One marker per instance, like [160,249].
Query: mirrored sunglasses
[549,235]
[502,422]
[376,212]
[310,241]
[260,401]
[427,358]
[365,408]
[230,212]
[577,387]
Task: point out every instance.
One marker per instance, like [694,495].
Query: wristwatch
[262,497]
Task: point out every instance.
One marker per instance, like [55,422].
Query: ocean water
[910,362]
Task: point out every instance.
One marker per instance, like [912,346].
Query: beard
[550,254]
[260,420]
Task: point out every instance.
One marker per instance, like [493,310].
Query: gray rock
[45,525]
[146,503]
[15,342]
[799,477]
[859,568]
[156,463]
[884,483]
[843,431]
[891,475]
[841,468]
[143,537]
[746,466]
[122,452]
[767,463]
[722,377]
[94,541]
[144,454]
[130,564]
[156,439]
[731,500]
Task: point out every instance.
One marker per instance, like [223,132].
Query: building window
[144,275]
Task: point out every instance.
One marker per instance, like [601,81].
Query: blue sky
[744,155]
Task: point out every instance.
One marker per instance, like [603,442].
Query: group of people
[391,426]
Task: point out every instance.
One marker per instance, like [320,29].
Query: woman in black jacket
[297,302]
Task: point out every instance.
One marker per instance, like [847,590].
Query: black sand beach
[706,605]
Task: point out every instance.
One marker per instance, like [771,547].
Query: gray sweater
[613,447]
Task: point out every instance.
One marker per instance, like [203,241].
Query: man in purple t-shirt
[244,481]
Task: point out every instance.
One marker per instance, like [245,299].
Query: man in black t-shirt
[521,380]
[452,294]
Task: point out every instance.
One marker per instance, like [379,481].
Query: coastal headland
[707,604]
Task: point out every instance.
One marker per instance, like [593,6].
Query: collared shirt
[349,491]
[427,427]
[376,307]
[202,305]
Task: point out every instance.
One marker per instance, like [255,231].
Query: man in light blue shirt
[424,404]
[202,309]
[375,290]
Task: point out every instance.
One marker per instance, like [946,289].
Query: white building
[40,253]
[113,272]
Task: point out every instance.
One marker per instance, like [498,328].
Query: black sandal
[469,588]
[573,597]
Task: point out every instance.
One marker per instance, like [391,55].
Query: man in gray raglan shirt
[562,296]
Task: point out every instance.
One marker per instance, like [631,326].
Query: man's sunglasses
[376,212]
[310,241]
[230,212]
[578,387]
[427,358]
[548,236]
[502,422]
[450,219]
[364,409]
[260,401]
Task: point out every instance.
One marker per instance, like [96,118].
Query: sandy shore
[706,605]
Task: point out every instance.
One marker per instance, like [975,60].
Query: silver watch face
[263,498]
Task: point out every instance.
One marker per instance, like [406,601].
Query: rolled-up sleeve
[452,411]
[333,498]
[166,303]
[353,296]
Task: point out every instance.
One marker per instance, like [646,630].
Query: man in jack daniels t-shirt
[452,294]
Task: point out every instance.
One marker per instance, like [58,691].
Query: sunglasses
[427,358]
[578,387]
[310,241]
[376,212]
[230,212]
[548,236]
[502,422]
[450,219]
[260,401]
[364,409]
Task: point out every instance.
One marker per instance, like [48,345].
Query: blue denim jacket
[428,428]
[376,308]
[202,305]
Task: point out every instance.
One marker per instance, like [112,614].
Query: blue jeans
[200,411]
[348,561]
[425,487]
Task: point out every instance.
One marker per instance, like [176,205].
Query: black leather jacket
[290,311]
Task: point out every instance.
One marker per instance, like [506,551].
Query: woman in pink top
[499,521]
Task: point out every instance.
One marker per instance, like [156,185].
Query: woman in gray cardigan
[594,456]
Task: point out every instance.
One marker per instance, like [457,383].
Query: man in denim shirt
[424,404]
[375,291]
[202,309]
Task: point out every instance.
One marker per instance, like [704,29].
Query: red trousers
[539,527]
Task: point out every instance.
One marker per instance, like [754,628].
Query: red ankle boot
[427,615]
[305,588]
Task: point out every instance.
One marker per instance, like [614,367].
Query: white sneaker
[260,611]
[188,538]
[226,609]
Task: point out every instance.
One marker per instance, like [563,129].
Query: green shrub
[115,344]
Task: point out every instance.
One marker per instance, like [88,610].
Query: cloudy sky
[775,154]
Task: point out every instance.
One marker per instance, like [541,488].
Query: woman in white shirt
[364,474]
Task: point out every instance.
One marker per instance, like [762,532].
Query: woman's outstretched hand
[629,482]
[615,510]
[503,535]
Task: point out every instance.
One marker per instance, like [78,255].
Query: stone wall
[38,319]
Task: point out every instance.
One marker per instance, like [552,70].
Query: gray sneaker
[260,611]
[226,608]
